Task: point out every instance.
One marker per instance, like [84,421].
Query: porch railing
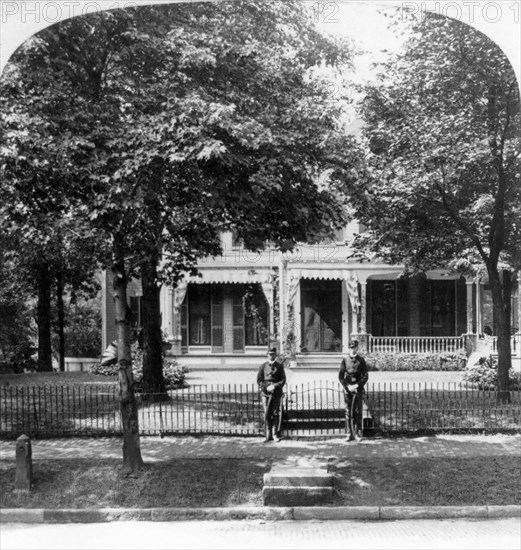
[416,344]
[61,411]
[515,344]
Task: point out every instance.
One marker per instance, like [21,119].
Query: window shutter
[238,320]
[217,319]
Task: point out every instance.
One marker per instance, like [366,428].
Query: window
[255,316]
[417,307]
[442,308]
[199,315]
[383,308]
[225,316]
[339,235]
[321,315]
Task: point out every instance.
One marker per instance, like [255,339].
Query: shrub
[416,362]
[17,332]
[82,330]
[174,373]
[483,376]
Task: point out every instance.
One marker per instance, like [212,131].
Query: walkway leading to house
[311,376]
[155,449]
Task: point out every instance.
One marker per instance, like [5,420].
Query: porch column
[351,284]
[471,339]
[363,307]
[167,312]
[292,329]
[282,304]
[297,318]
[479,309]
[470,312]
[362,336]
[354,321]
[178,296]
[108,318]
[345,320]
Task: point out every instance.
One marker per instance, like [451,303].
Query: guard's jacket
[271,373]
[353,370]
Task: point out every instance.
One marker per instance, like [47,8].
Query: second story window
[236,241]
[339,235]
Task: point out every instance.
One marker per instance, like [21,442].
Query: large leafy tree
[187,120]
[239,113]
[441,185]
[36,224]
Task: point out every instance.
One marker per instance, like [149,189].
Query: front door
[321,315]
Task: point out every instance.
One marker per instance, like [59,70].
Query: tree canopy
[168,124]
[441,182]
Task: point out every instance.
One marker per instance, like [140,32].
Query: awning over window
[329,274]
[349,277]
[227,276]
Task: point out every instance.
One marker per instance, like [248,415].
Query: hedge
[416,362]
[483,376]
[174,374]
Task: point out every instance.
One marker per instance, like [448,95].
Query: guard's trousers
[272,412]
[354,423]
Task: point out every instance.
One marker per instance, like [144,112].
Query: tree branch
[508,117]
[466,229]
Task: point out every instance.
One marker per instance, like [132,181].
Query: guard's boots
[269,433]
[349,434]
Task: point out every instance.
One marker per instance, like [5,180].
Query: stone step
[297,482]
[296,496]
[318,361]
[298,477]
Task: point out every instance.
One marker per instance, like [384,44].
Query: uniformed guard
[353,376]
[271,379]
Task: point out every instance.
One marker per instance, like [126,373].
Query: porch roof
[227,276]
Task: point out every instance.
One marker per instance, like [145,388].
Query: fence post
[24,464]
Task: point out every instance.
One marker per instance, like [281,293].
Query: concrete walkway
[155,449]
[316,376]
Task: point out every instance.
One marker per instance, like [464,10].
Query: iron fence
[309,409]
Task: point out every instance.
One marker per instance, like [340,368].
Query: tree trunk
[132,460]
[61,321]
[44,319]
[153,381]
[501,296]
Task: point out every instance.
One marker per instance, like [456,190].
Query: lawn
[30,379]
[78,483]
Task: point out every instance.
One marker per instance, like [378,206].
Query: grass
[430,481]
[193,483]
[56,379]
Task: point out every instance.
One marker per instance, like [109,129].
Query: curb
[300,513]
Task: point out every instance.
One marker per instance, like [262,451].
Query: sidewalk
[155,449]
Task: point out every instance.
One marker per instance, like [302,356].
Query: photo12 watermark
[53,12]
[470,12]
